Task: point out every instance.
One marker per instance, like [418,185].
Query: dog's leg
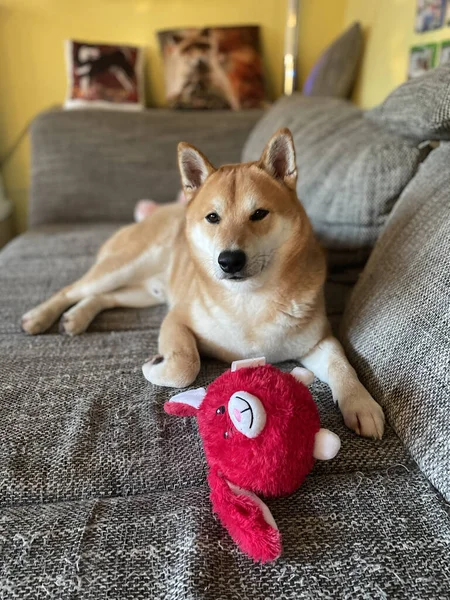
[100,278]
[178,362]
[40,318]
[79,317]
[360,411]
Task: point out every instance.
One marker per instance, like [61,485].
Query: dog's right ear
[194,167]
[278,158]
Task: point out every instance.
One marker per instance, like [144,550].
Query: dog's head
[241,218]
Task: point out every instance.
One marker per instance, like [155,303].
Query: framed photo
[421,60]
[430,14]
[444,57]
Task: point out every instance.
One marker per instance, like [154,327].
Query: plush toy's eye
[259,214]
[213,218]
[220,410]
[226,434]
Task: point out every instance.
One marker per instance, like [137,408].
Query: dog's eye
[220,410]
[213,218]
[259,214]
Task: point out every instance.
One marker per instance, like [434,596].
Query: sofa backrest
[396,325]
[92,165]
[350,171]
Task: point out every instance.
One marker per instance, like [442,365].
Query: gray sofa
[103,495]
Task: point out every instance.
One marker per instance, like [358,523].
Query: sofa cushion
[335,71]
[91,165]
[350,172]
[418,109]
[351,535]
[101,490]
[396,326]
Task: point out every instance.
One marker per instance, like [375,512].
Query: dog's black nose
[232,261]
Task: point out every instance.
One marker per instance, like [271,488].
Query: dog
[241,271]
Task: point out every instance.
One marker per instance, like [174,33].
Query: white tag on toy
[247,362]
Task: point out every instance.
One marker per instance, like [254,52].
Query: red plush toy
[261,433]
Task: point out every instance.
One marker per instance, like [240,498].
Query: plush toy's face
[258,428]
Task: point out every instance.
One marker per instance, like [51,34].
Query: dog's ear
[278,158]
[194,169]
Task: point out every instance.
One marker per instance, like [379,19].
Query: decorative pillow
[102,76]
[396,326]
[216,68]
[350,172]
[335,72]
[418,109]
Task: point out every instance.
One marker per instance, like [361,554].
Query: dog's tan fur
[277,310]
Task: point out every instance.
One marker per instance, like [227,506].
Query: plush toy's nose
[247,413]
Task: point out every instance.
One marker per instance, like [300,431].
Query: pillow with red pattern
[104,76]
[215,68]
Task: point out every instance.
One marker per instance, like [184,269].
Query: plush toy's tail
[144,208]
[247,519]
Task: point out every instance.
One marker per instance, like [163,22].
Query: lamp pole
[291,47]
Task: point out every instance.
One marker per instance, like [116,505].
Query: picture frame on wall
[430,14]
[421,59]
[444,55]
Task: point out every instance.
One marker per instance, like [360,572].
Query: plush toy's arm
[247,519]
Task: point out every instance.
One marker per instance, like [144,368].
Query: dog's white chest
[240,331]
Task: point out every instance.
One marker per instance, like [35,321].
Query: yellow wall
[32,72]
[389,29]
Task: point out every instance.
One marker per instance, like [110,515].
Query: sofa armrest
[90,165]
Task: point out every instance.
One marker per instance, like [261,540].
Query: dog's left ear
[278,158]
[194,167]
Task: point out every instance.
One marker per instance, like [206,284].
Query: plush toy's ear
[303,375]
[185,404]
[326,445]
[194,168]
[246,518]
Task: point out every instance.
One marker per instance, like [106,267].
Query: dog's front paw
[362,414]
[175,372]
[36,321]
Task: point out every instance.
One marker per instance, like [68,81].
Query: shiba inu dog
[241,271]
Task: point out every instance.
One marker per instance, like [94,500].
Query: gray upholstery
[350,172]
[396,327]
[418,109]
[334,73]
[92,165]
[103,494]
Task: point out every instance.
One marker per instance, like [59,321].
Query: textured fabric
[93,165]
[335,72]
[350,172]
[396,326]
[104,495]
[418,109]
